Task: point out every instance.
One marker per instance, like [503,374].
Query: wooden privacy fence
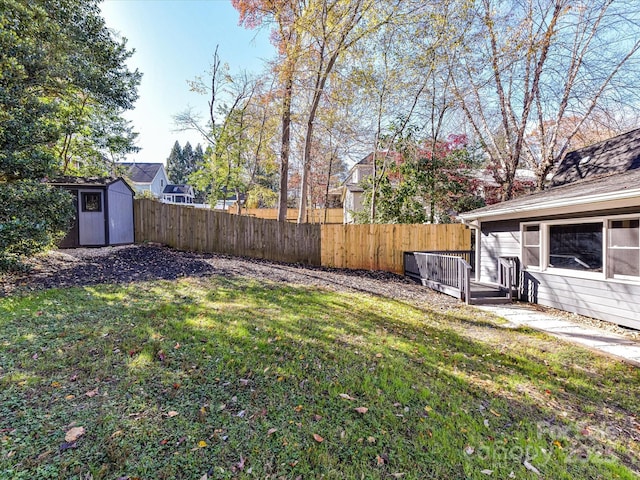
[204,230]
[314,215]
[367,247]
[381,247]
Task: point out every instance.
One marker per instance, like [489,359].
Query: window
[624,248]
[531,246]
[91,202]
[576,246]
[606,247]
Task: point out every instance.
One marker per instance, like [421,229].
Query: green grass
[254,370]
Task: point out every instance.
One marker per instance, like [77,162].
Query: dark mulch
[134,263]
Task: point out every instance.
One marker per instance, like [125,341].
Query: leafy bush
[34,216]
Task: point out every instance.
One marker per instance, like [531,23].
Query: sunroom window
[531,245]
[576,246]
[624,248]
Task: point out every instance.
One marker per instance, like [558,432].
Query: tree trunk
[286,146]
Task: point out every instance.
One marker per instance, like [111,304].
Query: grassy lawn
[230,378]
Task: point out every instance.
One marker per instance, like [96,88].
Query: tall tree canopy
[55,56]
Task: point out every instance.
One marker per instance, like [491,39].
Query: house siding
[498,239]
[606,300]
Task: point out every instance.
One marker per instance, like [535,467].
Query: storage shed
[577,243]
[104,211]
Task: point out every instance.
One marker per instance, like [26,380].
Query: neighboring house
[577,243]
[178,194]
[151,177]
[353,193]
[104,211]
[490,190]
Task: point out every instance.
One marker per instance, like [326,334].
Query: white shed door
[91,217]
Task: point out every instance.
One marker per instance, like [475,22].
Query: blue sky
[174,42]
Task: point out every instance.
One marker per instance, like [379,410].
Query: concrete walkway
[594,338]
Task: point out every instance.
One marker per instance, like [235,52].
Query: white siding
[498,239]
[120,205]
[159,182]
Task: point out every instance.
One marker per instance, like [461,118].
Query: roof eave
[559,206]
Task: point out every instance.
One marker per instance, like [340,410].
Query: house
[353,191]
[577,243]
[104,211]
[150,177]
[178,194]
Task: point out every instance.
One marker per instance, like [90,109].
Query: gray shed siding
[498,239]
[607,300]
[120,214]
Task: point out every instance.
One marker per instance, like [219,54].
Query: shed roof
[142,172]
[83,181]
[614,155]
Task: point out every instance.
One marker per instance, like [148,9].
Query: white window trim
[544,248]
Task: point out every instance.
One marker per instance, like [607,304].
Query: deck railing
[448,272]
[507,278]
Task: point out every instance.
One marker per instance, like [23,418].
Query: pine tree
[175,164]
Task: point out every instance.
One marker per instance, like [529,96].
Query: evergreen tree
[175,164]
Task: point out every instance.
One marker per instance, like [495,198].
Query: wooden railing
[507,277]
[446,273]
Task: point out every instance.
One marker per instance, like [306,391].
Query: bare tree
[530,61]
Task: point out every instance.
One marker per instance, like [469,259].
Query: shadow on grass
[236,359]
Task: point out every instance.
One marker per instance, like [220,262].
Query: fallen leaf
[298,408]
[204,477]
[530,467]
[176,346]
[244,381]
[428,409]
[164,441]
[346,396]
[202,444]
[64,446]
[56,384]
[69,397]
[271,431]
[469,450]
[240,464]
[398,475]
[557,444]
[361,410]
[318,438]
[486,423]
[92,393]
[161,356]
[378,355]
[486,471]
[380,461]
[495,413]
[172,413]
[74,434]
[371,439]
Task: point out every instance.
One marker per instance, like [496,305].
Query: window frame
[544,245]
[83,202]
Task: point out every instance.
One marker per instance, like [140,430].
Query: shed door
[91,215]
